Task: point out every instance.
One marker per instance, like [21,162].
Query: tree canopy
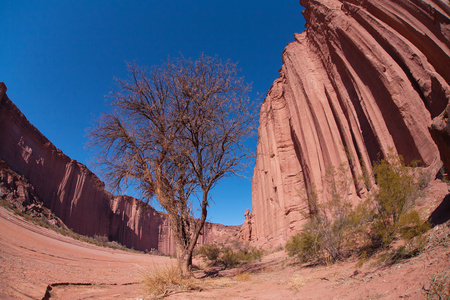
[173,132]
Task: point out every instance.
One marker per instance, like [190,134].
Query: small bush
[210,252]
[249,254]
[304,245]
[333,224]
[102,239]
[411,230]
[229,257]
[410,225]
[397,191]
[335,228]
[408,250]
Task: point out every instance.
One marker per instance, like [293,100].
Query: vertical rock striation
[78,197]
[440,131]
[364,79]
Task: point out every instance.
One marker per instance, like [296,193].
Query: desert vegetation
[228,256]
[167,280]
[385,221]
[161,281]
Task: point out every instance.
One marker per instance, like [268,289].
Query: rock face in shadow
[440,131]
[364,80]
[77,196]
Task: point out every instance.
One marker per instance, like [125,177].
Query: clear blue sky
[58,60]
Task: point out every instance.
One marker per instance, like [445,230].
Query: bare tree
[174,132]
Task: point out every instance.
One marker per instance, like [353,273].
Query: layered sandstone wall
[440,131]
[78,197]
[364,79]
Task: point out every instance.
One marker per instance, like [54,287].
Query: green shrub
[101,239]
[335,228]
[249,254]
[396,188]
[397,191]
[210,252]
[227,256]
[331,225]
[304,245]
[230,258]
[410,225]
[411,229]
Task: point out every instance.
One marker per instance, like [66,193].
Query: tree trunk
[186,243]
[184,259]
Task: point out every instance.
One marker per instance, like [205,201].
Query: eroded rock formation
[363,80]
[440,131]
[78,197]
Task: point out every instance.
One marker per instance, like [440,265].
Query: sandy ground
[32,258]
[279,278]
[37,263]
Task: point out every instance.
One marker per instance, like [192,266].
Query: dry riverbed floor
[38,263]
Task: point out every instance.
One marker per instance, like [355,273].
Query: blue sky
[58,60]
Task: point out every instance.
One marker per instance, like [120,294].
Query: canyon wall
[440,131]
[77,196]
[363,80]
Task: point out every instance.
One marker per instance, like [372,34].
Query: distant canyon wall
[78,197]
[365,78]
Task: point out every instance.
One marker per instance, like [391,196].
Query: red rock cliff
[78,197]
[366,76]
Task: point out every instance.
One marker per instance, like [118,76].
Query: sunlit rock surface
[77,196]
[365,78]
[440,131]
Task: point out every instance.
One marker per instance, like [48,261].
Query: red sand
[32,258]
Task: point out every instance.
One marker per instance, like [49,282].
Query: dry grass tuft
[297,282]
[242,276]
[162,281]
[439,286]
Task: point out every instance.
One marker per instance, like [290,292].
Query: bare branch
[174,132]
